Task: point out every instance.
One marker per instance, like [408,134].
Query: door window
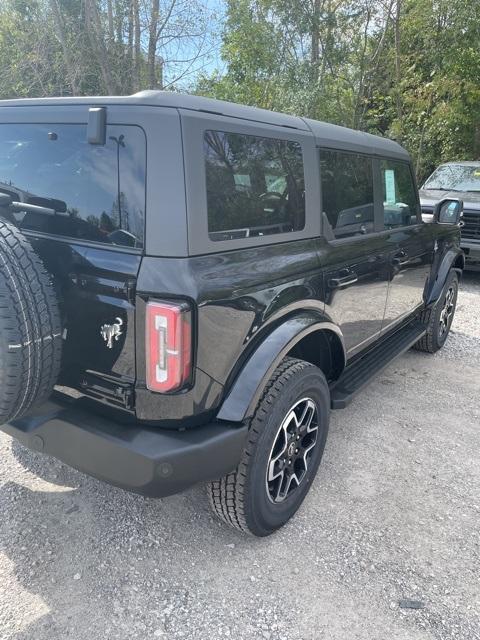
[255,186]
[400,203]
[347,193]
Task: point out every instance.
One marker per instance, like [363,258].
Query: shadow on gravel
[45,467]
[100,559]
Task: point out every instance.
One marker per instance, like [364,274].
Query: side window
[347,193]
[255,186]
[400,204]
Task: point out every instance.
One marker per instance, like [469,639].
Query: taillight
[168,345]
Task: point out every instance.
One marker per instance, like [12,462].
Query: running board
[360,373]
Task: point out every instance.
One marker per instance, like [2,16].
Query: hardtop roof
[325,134]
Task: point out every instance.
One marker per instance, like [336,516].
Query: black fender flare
[447,261]
[247,388]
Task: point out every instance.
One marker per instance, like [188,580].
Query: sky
[210,59]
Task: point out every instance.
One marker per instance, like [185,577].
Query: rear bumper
[146,460]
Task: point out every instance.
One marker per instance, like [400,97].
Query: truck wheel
[286,439]
[439,319]
[30,334]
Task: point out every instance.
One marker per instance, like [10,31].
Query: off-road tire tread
[30,326]
[227,494]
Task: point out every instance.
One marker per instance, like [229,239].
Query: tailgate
[96,289]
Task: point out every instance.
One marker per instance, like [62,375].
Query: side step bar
[360,373]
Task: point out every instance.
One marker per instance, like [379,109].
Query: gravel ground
[391,522]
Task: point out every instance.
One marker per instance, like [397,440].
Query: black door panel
[356,287]
[410,264]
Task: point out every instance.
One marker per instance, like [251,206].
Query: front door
[409,241]
[352,253]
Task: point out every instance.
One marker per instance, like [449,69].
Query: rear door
[410,242]
[85,216]
[351,251]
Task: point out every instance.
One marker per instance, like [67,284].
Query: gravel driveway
[392,521]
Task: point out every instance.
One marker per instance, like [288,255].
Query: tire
[439,319]
[245,498]
[30,333]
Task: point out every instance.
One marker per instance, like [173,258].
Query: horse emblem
[111,332]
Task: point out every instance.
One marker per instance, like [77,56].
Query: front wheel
[439,319]
[285,445]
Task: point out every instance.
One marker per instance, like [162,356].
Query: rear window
[96,191]
[255,186]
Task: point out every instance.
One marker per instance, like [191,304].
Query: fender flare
[245,391]
[442,274]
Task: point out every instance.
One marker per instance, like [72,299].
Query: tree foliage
[408,69]
[88,47]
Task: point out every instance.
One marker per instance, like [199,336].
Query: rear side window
[96,191]
[347,193]
[400,203]
[255,186]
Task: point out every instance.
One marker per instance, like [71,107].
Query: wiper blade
[438,189]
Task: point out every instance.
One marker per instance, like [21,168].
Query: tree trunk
[136,45]
[130,60]
[398,69]
[152,45]
[111,33]
[60,31]
[476,142]
[315,30]
[97,41]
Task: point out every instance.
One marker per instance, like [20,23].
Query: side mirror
[448,211]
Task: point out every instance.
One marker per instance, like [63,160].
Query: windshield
[455,177]
[96,191]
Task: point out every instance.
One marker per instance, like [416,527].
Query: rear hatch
[83,208]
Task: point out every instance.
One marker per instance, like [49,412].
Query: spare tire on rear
[30,332]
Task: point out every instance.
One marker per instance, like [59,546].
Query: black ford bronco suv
[187,287]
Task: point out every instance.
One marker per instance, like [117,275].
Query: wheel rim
[446,315]
[292,449]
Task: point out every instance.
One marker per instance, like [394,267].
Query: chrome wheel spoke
[448,310]
[295,439]
[291,479]
[276,468]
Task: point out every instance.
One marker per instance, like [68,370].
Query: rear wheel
[30,333]
[439,319]
[285,445]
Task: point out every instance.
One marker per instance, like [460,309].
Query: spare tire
[30,331]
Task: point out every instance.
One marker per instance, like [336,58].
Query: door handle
[400,259]
[351,278]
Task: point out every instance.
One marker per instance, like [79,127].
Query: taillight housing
[168,345]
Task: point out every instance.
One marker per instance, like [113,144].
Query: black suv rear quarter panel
[238,297]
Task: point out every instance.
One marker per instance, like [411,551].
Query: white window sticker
[390,195]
